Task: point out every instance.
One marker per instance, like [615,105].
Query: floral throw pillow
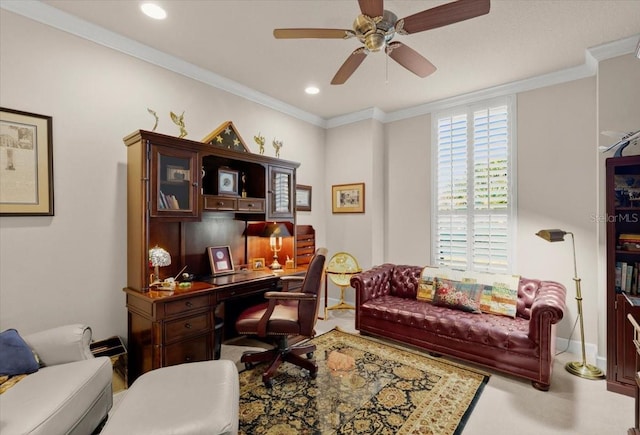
[458,295]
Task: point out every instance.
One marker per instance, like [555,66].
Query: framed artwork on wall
[347,198]
[303,197]
[26,164]
[220,259]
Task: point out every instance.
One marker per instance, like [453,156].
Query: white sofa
[71,394]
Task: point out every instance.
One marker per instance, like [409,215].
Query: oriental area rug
[387,390]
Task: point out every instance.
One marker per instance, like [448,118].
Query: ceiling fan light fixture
[153,10]
[375,41]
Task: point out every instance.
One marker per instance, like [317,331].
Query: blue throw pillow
[16,357]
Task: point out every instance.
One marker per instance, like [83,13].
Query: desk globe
[339,270]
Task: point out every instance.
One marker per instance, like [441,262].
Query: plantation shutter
[474,198]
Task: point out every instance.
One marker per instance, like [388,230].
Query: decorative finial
[155,115]
[277,144]
[179,121]
[259,139]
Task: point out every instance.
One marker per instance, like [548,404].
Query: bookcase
[623,258]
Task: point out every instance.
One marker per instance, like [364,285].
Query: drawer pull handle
[187,325]
[250,205]
[189,304]
[220,203]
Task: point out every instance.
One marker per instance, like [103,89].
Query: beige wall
[71,267]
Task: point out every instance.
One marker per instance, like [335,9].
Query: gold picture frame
[347,198]
[257,264]
[26,164]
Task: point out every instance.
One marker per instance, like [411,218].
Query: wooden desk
[173,327]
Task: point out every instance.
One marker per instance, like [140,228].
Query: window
[474,194]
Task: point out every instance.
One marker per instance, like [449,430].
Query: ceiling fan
[376,27]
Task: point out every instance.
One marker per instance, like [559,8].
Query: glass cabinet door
[174,182]
[281,184]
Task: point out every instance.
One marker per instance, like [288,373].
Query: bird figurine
[155,115]
[626,139]
[259,139]
[277,144]
[179,121]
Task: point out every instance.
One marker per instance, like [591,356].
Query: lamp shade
[159,257]
[552,235]
[275,229]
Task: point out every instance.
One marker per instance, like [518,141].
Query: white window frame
[469,109]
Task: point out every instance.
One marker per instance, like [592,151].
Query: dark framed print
[347,198]
[220,259]
[303,197]
[227,182]
[26,164]
[178,174]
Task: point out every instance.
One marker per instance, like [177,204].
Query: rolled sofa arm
[372,283]
[547,308]
[61,345]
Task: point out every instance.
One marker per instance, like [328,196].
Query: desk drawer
[197,349]
[253,204]
[186,327]
[185,305]
[219,203]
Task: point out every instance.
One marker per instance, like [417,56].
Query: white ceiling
[517,40]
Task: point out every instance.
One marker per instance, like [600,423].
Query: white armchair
[71,394]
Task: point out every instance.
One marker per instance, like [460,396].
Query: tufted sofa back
[404,280]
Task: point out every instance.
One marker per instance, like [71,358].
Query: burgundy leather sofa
[524,346]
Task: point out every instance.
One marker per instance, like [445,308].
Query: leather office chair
[286,314]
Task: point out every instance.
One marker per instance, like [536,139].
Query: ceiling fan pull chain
[386,67]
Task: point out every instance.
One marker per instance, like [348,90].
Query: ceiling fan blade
[445,14]
[371,8]
[410,59]
[349,66]
[312,33]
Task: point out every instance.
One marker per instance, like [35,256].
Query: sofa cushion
[55,398]
[457,295]
[17,356]
[467,328]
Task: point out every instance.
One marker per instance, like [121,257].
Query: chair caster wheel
[313,375]
[248,366]
[310,355]
[268,384]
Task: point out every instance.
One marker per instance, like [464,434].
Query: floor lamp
[577,368]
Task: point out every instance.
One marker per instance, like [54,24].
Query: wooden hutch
[185,196]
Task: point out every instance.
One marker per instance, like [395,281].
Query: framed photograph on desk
[220,259]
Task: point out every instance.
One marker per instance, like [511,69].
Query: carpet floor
[389,390]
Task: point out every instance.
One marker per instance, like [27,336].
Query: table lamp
[275,231]
[578,368]
[158,258]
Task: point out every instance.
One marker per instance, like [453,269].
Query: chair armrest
[61,345]
[547,309]
[289,296]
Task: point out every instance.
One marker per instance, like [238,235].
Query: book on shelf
[626,278]
[168,201]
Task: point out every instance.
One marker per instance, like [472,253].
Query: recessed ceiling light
[154,11]
[312,90]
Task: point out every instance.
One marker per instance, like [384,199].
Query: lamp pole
[581,369]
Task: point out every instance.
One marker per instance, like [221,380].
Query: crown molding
[45,14]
